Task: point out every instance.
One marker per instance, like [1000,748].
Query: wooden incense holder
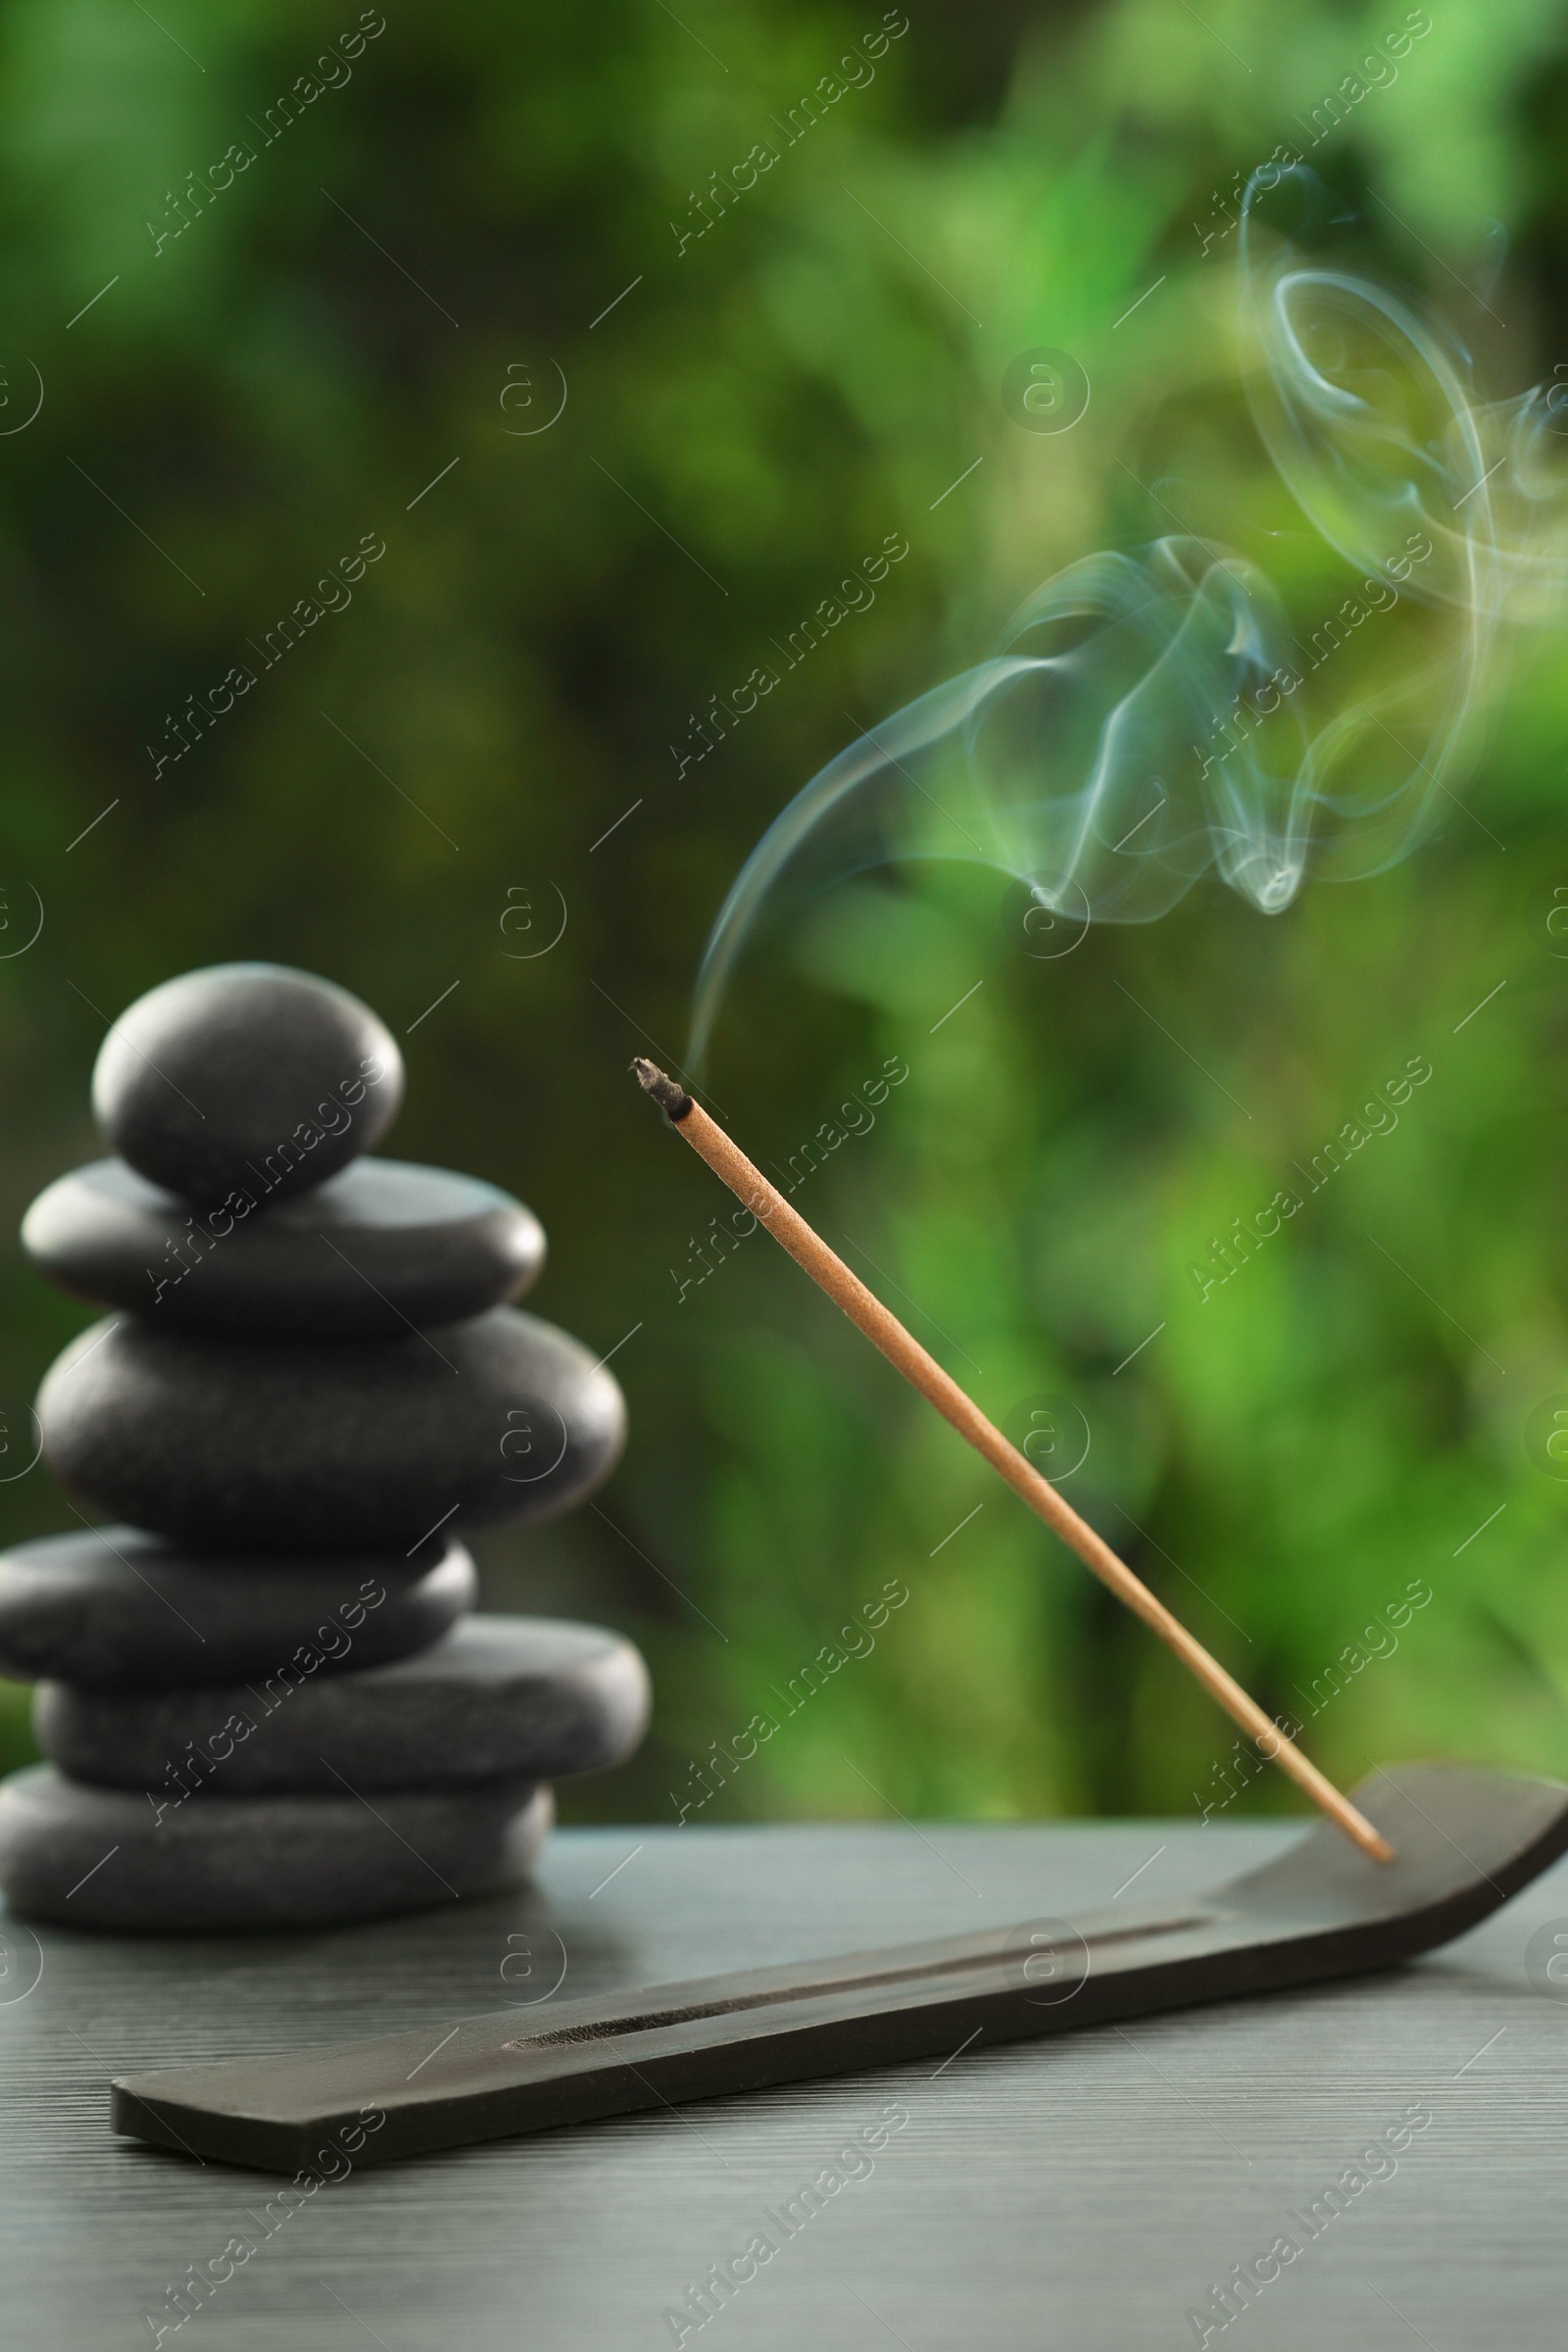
[1465,1839]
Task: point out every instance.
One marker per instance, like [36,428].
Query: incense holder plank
[1465,1841]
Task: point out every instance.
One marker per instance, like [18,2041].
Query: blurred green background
[367,332]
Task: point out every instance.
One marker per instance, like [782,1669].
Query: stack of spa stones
[263,1697]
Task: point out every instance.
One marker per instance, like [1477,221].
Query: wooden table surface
[1087,2189]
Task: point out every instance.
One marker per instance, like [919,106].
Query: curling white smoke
[1145,719]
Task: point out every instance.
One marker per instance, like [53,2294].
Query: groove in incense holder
[923,1372]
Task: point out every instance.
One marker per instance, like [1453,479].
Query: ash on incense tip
[672,1100]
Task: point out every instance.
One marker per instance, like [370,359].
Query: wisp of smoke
[1145,719]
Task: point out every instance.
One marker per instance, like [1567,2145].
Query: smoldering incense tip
[672,1100]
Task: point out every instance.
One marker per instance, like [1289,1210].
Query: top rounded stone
[245,1071]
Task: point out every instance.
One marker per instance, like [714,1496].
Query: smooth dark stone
[245,1074]
[114,1606]
[384,1244]
[526,1698]
[96,1857]
[347,1446]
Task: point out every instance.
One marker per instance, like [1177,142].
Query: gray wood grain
[1084,2190]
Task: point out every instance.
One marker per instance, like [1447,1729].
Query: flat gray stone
[245,1074]
[385,1245]
[249,1443]
[526,1698]
[115,1606]
[97,1858]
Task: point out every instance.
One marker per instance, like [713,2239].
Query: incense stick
[904,1353]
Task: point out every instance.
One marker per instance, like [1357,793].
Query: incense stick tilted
[907,1355]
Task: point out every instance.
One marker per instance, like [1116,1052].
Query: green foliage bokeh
[358,336]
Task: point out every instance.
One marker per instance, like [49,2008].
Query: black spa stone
[529,1699]
[245,1074]
[250,1444]
[97,1857]
[115,1606]
[383,1245]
